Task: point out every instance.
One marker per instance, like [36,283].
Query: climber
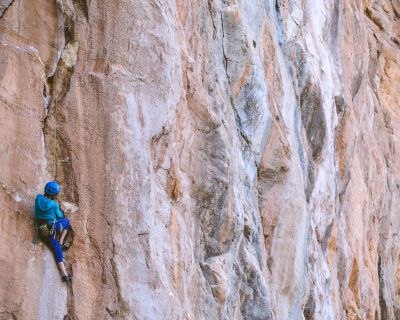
[50,223]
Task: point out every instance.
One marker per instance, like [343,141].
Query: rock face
[228,159]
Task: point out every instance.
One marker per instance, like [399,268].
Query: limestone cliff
[229,159]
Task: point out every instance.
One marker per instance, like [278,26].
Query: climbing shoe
[67,278]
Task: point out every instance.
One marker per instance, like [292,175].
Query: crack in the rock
[8,315]
[55,89]
[84,8]
[223,49]
[114,274]
[279,24]
[5,8]
[396,41]
[71,312]
[239,123]
[395,10]
[382,301]
[212,20]
[369,13]
[226,60]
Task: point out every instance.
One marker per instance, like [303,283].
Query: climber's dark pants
[62,224]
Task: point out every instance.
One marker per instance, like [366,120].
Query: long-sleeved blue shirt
[47,209]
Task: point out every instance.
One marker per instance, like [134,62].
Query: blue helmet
[52,188]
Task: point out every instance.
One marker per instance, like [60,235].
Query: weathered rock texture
[230,159]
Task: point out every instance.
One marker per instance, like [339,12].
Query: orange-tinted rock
[218,159]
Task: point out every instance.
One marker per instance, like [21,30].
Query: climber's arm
[58,211]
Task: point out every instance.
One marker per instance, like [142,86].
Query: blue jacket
[47,209]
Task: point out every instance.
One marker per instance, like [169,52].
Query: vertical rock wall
[230,159]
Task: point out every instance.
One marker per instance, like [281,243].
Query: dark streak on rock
[3,9]
[335,26]
[313,118]
[344,175]
[356,84]
[8,315]
[369,13]
[84,8]
[279,25]
[309,308]
[325,240]
[395,41]
[396,9]
[223,49]
[382,301]
[212,18]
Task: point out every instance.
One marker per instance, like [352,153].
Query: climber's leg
[55,246]
[63,234]
[61,267]
[62,226]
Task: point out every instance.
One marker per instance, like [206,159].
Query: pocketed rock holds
[229,159]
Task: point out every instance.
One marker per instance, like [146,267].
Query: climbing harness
[44,231]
